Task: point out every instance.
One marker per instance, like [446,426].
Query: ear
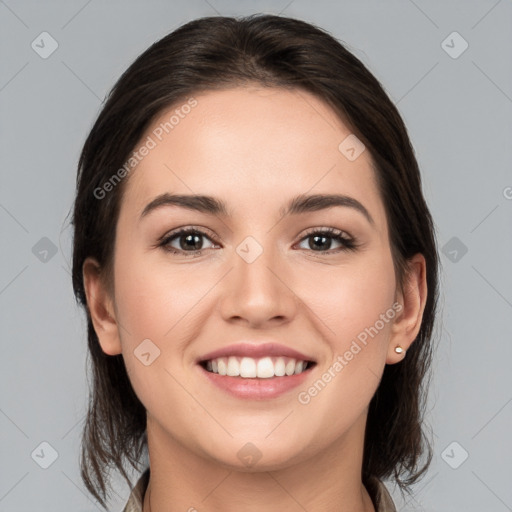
[101,308]
[413,299]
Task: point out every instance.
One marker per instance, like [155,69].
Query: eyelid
[164,241]
[329,230]
[346,240]
[213,237]
[192,228]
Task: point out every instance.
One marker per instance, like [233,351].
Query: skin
[254,148]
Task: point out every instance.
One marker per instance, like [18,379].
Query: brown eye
[185,240]
[322,240]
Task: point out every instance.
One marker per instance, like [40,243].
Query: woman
[259,271]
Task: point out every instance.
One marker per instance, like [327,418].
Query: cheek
[164,304]
[152,303]
[353,301]
[350,299]
[152,297]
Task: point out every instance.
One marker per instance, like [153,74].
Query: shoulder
[381,498]
[136,498]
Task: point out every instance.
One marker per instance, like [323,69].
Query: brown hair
[222,52]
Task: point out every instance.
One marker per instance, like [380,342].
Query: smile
[270,385]
[260,368]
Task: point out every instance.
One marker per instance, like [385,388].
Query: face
[253,278]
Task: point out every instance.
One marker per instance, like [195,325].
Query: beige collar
[378,492]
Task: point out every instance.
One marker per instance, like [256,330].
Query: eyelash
[348,243]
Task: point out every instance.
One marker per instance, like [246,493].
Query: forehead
[261,143]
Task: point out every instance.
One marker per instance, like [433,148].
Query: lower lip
[256,389]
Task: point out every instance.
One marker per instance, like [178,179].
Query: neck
[330,481]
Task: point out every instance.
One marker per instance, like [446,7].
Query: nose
[258,293]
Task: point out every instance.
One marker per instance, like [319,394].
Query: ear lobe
[407,323]
[101,308]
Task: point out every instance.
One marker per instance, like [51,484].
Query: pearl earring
[399,349]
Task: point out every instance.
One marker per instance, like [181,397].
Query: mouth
[266,367]
[265,378]
[256,371]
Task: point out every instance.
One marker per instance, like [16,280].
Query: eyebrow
[299,204]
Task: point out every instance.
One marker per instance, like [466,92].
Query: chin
[257,456]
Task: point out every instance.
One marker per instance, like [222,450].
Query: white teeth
[290,367]
[265,368]
[247,368]
[233,369]
[221,365]
[279,367]
[262,368]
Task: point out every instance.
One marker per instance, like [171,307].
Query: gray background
[458,112]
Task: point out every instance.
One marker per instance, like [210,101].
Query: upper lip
[255,350]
